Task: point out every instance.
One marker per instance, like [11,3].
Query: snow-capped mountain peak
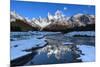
[78,15]
[50,17]
[59,14]
[27,19]
[15,16]
[42,23]
[57,20]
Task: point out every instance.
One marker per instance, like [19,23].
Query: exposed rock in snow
[82,19]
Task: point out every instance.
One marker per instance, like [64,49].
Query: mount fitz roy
[56,22]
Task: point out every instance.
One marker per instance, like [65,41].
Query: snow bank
[24,44]
[88,33]
[89,53]
[16,53]
[68,43]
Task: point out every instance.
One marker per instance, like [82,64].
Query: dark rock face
[20,25]
[82,21]
[85,19]
[55,27]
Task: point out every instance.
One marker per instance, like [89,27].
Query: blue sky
[36,9]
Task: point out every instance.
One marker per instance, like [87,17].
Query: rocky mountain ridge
[56,22]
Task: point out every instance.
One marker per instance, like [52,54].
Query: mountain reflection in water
[59,48]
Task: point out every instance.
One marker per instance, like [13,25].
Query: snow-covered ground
[89,53]
[34,33]
[31,34]
[19,45]
[88,33]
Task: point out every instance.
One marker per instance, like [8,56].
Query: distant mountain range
[57,22]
